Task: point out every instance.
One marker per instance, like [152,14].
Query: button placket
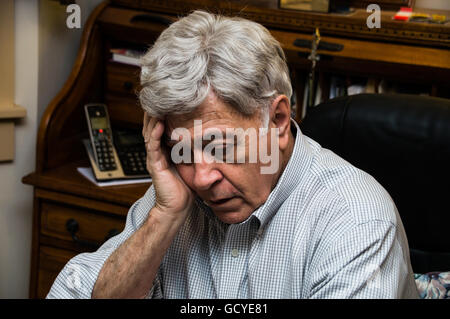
[233,260]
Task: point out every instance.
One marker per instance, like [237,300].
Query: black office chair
[404,142]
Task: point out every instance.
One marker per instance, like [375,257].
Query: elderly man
[219,222]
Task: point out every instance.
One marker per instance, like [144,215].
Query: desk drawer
[91,228]
[123,79]
[124,110]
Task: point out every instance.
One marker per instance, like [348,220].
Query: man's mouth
[219,202]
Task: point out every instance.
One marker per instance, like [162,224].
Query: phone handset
[102,153]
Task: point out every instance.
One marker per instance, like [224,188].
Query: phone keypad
[105,155]
[133,160]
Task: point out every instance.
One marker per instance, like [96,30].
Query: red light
[100,130]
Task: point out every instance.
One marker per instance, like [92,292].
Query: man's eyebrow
[169,142]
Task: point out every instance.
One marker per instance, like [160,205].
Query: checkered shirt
[327,230]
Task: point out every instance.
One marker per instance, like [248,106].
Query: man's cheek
[186,173]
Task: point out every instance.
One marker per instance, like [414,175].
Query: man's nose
[205,175]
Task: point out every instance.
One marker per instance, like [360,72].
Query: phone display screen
[129,139]
[99,123]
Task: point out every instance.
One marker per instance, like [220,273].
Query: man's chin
[231,217]
[232,211]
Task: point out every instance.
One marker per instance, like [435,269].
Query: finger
[155,154]
[148,125]
[156,134]
[145,123]
[147,130]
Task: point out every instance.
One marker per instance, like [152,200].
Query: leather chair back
[404,142]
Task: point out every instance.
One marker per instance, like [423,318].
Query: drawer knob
[127,85]
[72,227]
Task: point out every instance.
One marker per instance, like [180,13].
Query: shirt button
[235,252]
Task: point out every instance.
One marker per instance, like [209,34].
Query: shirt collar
[296,168]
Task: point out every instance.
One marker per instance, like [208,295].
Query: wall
[58,47]
[15,198]
[45,50]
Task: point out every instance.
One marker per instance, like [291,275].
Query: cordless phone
[101,136]
[128,161]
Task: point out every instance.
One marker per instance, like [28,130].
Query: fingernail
[157,125]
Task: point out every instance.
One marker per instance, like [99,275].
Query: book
[344,86]
[405,88]
[318,97]
[88,174]
[305,97]
[127,56]
[338,87]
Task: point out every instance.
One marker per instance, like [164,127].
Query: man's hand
[173,197]
[132,268]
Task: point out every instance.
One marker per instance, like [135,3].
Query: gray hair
[236,58]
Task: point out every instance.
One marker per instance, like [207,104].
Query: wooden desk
[413,53]
[60,195]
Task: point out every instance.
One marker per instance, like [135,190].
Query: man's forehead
[188,120]
[207,119]
[213,112]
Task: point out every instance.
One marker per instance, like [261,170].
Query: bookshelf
[400,56]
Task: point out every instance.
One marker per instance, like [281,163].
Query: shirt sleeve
[78,277]
[368,261]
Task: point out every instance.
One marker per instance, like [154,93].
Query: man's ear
[280,117]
